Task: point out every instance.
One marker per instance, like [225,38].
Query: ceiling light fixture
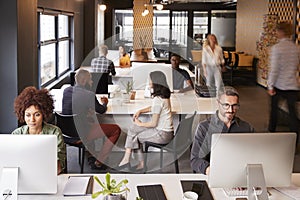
[102,6]
[159,6]
[146,11]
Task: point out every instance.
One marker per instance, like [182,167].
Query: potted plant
[111,190]
[129,93]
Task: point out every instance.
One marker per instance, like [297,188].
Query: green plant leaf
[128,86]
[99,182]
[107,177]
[96,194]
[123,182]
[110,186]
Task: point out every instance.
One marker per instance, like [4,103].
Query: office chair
[100,82]
[70,135]
[72,78]
[181,142]
[231,63]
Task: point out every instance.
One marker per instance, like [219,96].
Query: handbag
[202,90]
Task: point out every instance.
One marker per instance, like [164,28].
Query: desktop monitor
[114,56]
[34,157]
[232,153]
[141,71]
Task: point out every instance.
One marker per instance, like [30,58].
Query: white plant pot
[126,97]
[115,197]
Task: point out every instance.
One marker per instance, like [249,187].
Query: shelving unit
[267,39]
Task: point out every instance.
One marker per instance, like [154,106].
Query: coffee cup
[190,195]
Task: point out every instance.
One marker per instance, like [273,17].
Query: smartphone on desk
[151,192]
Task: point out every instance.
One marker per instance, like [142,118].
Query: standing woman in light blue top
[159,129]
[34,107]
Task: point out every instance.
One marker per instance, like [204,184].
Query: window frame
[57,41]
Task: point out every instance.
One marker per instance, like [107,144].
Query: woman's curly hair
[32,96]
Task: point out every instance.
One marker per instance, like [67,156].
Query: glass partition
[200,28]
[124,28]
[223,26]
[179,36]
[161,33]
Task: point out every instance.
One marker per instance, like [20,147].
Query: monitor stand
[9,183]
[256,178]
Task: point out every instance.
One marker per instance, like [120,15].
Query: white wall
[249,22]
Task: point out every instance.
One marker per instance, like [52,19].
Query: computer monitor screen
[114,56]
[141,71]
[35,156]
[231,153]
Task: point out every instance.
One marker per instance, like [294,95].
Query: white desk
[182,103]
[170,182]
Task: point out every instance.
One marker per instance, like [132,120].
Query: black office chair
[231,62]
[100,82]
[181,142]
[70,135]
[72,78]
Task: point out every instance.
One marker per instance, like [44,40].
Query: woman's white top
[163,108]
[212,58]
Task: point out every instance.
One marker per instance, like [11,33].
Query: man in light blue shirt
[282,77]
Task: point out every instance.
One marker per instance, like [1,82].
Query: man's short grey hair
[228,91]
[103,50]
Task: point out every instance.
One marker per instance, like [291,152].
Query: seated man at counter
[180,75]
[80,100]
[224,121]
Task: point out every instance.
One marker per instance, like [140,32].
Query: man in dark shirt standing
[80,100]
[180,75]
[224,121]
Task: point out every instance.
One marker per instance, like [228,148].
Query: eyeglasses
[226,106]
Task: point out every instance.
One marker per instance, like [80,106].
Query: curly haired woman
[34,107]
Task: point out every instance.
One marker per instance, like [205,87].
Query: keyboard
[241,191]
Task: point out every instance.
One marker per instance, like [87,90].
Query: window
[200,28]
[179,33]
[124,27]
[54,46]
[223,24]
[161,33]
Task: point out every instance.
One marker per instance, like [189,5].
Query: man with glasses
[223,121]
